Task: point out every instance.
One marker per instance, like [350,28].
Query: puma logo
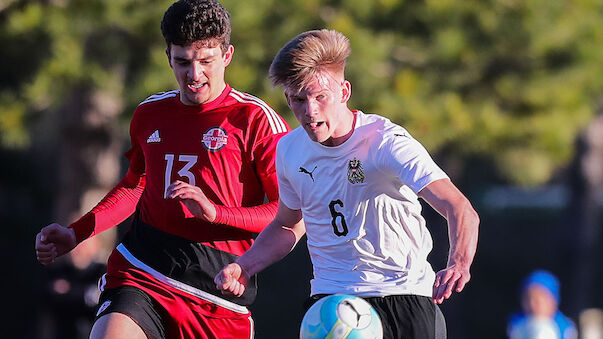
[303,170]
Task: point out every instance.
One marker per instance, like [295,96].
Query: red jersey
[227,148]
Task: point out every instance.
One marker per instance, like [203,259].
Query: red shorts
[163,311]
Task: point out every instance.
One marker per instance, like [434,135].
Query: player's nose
[195,71]
[311,108]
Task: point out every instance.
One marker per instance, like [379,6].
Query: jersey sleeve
[268,132]
[252,219]
[119,203]
[410,162]
[287,193]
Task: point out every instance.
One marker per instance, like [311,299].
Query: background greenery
[500,92]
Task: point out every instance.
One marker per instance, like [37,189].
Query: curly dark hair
[188,21]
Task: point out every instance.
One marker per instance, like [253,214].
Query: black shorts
[137,305]
[404,316]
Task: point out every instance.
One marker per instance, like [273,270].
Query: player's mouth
[315,125]
[197,87]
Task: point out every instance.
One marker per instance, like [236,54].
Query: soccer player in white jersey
[351,181]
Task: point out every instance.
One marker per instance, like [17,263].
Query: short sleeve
[287,193]
[410,161]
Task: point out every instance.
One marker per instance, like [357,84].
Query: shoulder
[563,321]
[297,138]
[258,109]
[154,104]
[516,322]
[382,130]
[160,97]
[516,318]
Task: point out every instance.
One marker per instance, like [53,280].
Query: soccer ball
[341,316]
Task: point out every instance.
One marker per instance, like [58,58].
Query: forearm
[273,244]
[252,219]
[463,225]
[114,208]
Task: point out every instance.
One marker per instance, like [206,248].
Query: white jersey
[366,235]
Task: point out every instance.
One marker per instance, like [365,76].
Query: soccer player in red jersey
[201,165]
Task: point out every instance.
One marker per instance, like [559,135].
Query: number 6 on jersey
[336,215]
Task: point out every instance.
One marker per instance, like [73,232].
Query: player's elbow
[472,214]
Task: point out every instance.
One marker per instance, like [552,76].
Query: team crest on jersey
[215,139]
[355,172]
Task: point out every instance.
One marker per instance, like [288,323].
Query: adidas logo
[154,137]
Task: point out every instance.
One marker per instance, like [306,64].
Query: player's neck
[348,124]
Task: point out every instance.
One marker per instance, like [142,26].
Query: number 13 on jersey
[188,162]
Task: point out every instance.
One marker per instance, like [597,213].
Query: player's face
[199,70]
[321,109]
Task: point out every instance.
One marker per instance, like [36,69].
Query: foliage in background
[509,81]
[497,90]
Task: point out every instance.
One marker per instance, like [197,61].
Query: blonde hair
[307,55]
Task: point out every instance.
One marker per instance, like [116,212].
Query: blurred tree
[69,70]
[510,82]
[81,64]
[581,241]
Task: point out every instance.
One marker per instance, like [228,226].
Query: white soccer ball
[341,316]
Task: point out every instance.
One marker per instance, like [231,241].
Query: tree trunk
[90,149]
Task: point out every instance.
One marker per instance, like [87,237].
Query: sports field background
[507,96]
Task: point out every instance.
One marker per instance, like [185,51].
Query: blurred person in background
[591,324]
[70,294]
[540,317]
[201,167]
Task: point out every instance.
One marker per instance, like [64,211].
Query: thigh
[116,325]
[406,316]
[126,309]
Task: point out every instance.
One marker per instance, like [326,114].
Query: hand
[53,241]
[194,199]
[232,280]
[446,280]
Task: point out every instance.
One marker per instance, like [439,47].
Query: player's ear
[288,98]
[228,55]
[346,91]
[169,56]
[287,94]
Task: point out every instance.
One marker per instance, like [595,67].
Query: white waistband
[180,285]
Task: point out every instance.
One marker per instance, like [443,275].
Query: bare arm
[273,244]
[463,223]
